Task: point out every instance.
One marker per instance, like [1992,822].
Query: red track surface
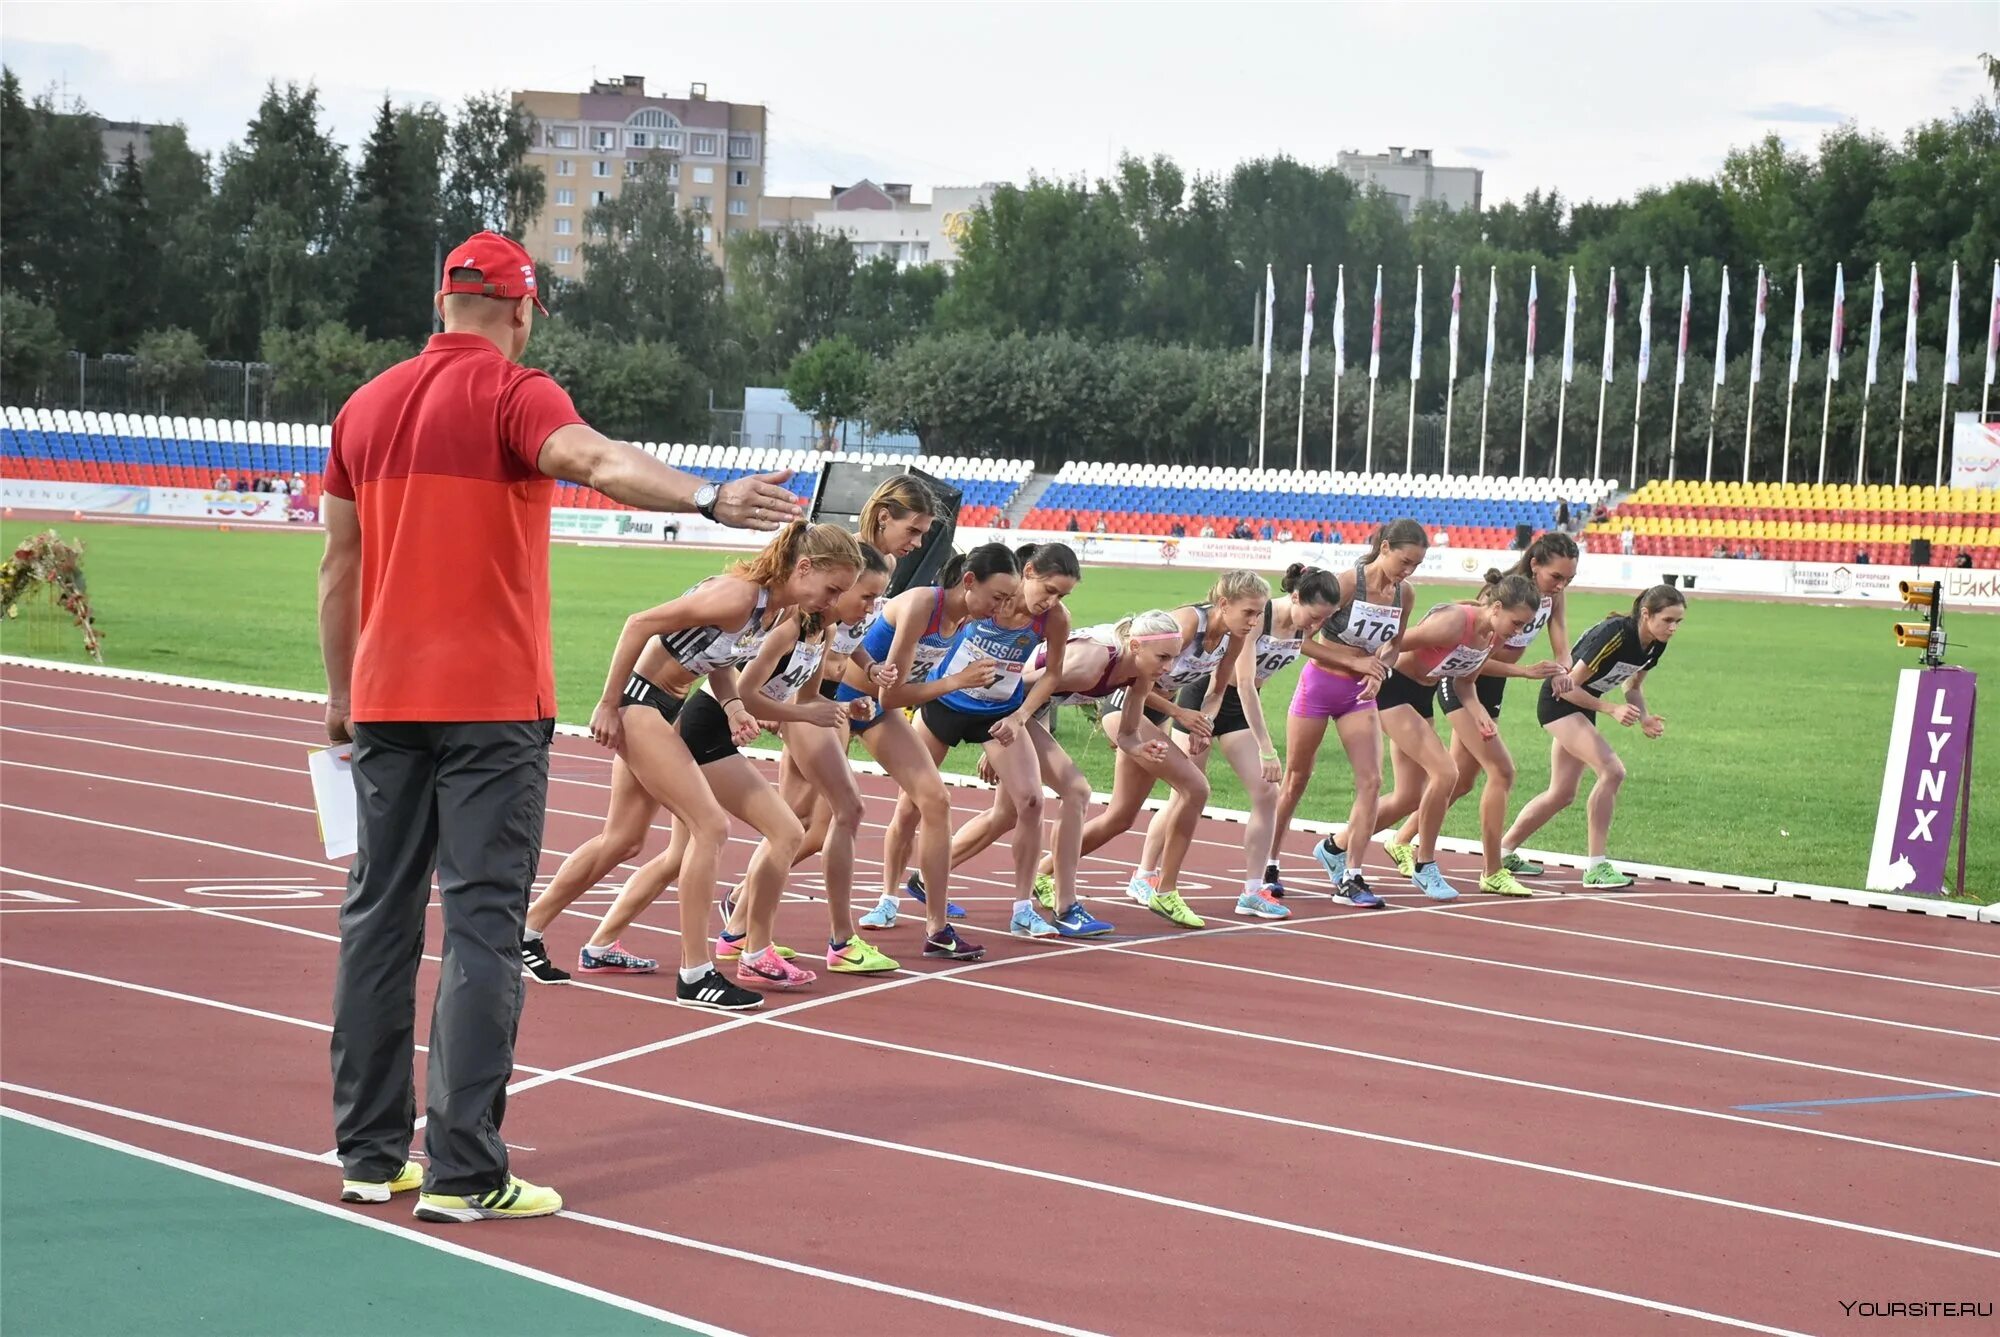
[1497,1116]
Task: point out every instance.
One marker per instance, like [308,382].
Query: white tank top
[796,672]
[1194,663]
[1275,653]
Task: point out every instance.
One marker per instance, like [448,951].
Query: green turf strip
[1777,713]
[98,1241]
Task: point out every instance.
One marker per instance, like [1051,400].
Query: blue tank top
[881,635]
[985,639]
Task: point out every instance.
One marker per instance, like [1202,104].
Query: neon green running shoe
[513,1201]
[1168,905]
[1502,883]
[1403,856]
[1519,867]
[1602,874]
[858,957]
[371,1190]
[1045,891]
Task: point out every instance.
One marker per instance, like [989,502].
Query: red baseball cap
[504,266]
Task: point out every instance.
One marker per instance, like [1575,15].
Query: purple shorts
[1323,695]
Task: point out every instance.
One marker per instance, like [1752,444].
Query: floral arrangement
[48,559]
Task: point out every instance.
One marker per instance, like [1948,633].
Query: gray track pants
[469,801]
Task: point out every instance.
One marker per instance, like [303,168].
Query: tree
[323,365]
[829,382]
[643,391]
[171,365]
[134,254]
[789,288]
[489,185]
[648,273]
[52,249]
[887,305]
[180,203]
[32,348]
[390,235]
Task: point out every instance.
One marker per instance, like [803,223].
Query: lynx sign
[1930,745]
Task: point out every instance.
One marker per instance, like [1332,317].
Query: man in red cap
[434,625]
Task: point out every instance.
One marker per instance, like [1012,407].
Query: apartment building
[587,145]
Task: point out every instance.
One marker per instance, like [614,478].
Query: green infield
[1777,713]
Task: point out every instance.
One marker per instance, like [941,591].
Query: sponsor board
[179,503]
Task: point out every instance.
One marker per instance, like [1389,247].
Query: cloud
[1856,16]
[1797,112]
[1473,151]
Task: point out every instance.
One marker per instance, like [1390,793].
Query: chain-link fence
[219,390]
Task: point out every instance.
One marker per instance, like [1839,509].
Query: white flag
[1270,310]
[1798,319]
[1306,341]
[1757,330]
[1417,338]
[1910,331]
[1340,321]
[1951,332]
[1453,336]
[1687,315]
[1569,330]
[1375,337]
[1993,326]
[1534,299]
[1722,329]
[1839,331]
[1875,327]
[1646,327]
[1610,322]
[1493,314]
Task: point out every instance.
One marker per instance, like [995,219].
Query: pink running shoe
[768,970]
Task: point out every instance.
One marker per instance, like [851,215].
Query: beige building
[881,220]
[1411,177]
[588,144]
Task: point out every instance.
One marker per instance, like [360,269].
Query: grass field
[1778,713]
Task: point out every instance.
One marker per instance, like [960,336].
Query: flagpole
[1749,420]
[1597,469]
[1300,465]
[1368,440]
[1944,417]
[1333,446]
[1410,439]
[1902,412]
[1861,451]
[1448,387]
[1263,399]
[1485,394]
[1521,471]
[1708,469]
[1638,397]
[1674,431]
[1562,404]
[1785,472]
[1825,414]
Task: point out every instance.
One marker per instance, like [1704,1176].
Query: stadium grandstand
[1796,522]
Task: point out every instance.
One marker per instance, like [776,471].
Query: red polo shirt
[438,454]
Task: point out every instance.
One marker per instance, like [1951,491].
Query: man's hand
[761,501]
[339,729]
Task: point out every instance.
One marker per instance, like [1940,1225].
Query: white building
[1411,177]
[881,220]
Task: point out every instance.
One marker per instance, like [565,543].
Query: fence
[111,384]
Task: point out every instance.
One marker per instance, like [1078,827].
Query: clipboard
[332,772]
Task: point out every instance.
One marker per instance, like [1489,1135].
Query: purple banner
[1928,747]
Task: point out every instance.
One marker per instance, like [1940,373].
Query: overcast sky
[1597,100]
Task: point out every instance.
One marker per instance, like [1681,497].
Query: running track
[1497,1116]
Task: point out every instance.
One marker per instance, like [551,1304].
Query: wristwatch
[705,498]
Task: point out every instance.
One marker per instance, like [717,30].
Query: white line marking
[1993,957]
[370,1222]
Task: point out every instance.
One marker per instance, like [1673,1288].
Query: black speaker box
[844,488]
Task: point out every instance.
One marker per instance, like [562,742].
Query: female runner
[1346,664]
[1307,601]
[1550,561]
[1450,644]
[912,636]
[1618,652]
[1000,717]
[661,655]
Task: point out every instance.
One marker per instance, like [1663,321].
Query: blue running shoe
[1027,924]
[1354,891]
[1077,922]
[882,916]
[1334,859]
[1431,882]
[1259,905]
[915,886]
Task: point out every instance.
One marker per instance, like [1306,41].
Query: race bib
[973,648]
[1462,662]
[1371,626]
[1615,677]
[1274,655]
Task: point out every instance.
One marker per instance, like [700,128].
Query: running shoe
[1353,890]
[1332,858]
[882,916]
[613,960]
[1274,888]
[1027,924]
[1431,882]
[1143,887]
[535,960]
[1077,922]
[946,944]
[768,970]
[380,1190]
[729,949]
[1045,891]
[711,990]
[1259,904]
[1169,905]
[857,958]
[1403,856]
[1602,874]
[1519,867]
[915,886]
[512,1201]
[1502,883]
